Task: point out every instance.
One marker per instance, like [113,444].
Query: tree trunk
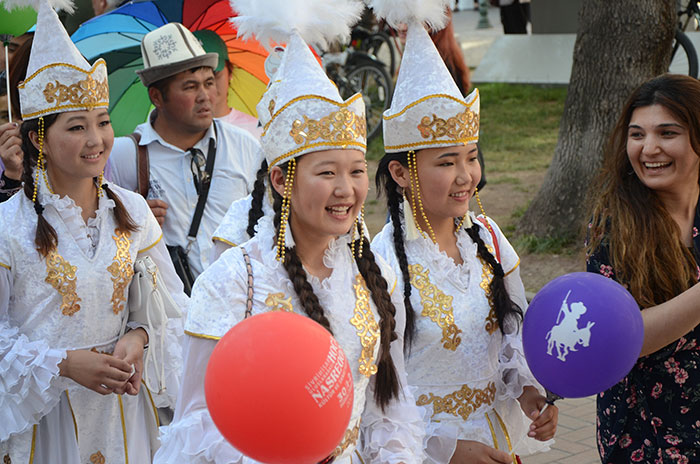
[620,44]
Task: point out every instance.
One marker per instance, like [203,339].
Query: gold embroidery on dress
[277,302]
[87,92]
[366,326]
[486,278]
[271,106]
[460,126]
[61,276]
[339,126]
[461,403]
[349,439]
[437,306]
[6,459]
[121,269]
[97,458]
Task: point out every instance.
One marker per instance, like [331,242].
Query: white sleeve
[515,373]
[192,437]
[121,165]
[218,249]
[394,435]
[30,386]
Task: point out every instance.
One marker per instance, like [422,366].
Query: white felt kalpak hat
[58,79]
[302,111]
[427,109]
[169,50]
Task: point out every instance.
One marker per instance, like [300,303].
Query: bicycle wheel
[684,59]
[381,47]
[372,80]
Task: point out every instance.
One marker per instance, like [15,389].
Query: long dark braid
[387,380]
[258,195]
[46,239]
[387,186]
[125,223]
[498,295]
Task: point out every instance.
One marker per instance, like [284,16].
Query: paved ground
[575,439]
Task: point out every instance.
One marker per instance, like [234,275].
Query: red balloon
[279,389]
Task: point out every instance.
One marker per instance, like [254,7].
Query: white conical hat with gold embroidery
[302,111]
[58,77]
[427,109]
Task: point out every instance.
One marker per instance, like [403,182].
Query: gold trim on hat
[87,93]
[428,97]
[425,143]
[339,126]
[462,125]
[343,145]
[344,104]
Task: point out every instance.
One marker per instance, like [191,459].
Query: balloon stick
[7,82]
[551,398]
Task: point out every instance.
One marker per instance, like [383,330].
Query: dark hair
[498,295]
[258,196]
[387,381]
[163,85]
[46,238]
[645,245]
[18,71]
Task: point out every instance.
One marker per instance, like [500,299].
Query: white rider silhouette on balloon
[566,334]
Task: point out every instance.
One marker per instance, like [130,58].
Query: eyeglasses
[197,166]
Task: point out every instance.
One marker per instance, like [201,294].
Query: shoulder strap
[493,236]
[206,183]
[249,296]
[142,166]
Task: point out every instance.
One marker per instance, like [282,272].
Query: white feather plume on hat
[58,5]
[397,12]
[316,21]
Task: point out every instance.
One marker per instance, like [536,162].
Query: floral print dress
[653,414]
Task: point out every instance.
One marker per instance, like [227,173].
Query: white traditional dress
[218,303]
[75,298]
[460,366]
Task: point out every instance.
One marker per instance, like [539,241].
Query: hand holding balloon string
[544,419]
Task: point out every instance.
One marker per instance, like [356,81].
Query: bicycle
[685,62]
[376,43]
[356,71]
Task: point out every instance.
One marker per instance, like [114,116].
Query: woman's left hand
[544,425]
[130,349]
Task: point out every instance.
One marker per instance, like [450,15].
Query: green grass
[519,125]
[557,245]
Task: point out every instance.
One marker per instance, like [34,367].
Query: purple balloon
[582,334]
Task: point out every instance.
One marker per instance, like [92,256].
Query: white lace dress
[460,365]
[74,299]
[218,303]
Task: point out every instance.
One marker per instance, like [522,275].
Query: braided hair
[498,295]
[46,238]
[258,195]
[387,381]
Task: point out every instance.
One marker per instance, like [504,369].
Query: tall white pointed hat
[427,109]
[58,77]
[302,110]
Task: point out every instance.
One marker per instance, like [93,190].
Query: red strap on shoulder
[493,236]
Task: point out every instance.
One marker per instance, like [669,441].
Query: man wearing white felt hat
[189,167]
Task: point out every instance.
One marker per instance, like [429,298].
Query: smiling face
[329,189]
[660,152]
[186,104]
[77,146]
[447,177]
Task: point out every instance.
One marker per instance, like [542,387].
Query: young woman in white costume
[308,256]
[71,388]
[458,274]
